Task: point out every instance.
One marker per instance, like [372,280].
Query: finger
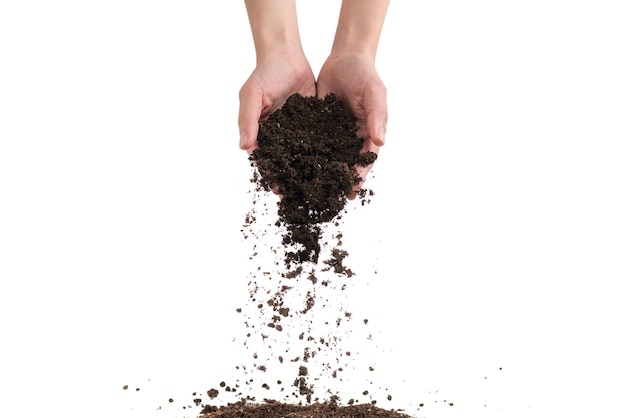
[369,145]
[309,90]
[376,111]
[362,173]
[250,108]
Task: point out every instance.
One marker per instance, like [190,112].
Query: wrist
[274,26]
[272,57]
[359,27]
[278,50]
[345,46]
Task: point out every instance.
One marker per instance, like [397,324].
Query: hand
[274,79]
[354,80]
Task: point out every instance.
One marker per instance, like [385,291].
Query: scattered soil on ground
[281,410]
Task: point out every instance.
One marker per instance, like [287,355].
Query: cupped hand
[271,83]
[355,81]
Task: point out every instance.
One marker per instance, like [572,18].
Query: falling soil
[307,154]
[303,343]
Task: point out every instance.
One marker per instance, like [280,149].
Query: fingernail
[242,139]
[381,134]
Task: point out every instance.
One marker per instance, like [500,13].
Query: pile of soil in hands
[307,153]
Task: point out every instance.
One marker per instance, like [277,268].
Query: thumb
[247,137]
[250,108]
[377,115]
[377,128]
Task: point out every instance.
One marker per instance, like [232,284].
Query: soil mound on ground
[281,410]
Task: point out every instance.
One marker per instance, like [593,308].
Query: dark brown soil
[281,410]
[307,153]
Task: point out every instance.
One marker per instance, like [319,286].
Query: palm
[355,81]
[267,89]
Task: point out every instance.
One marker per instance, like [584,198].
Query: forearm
[360,25]
[274,26]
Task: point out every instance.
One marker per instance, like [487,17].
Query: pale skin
[282,69]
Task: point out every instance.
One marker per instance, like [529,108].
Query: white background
[497,231]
